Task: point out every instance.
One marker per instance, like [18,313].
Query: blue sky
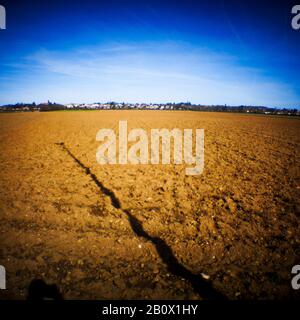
[208,52]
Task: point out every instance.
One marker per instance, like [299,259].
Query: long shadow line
[200,285]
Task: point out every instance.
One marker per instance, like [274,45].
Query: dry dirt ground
[150,231]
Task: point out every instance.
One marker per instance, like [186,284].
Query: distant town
[53,106]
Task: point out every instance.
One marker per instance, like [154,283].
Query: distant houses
[52,106]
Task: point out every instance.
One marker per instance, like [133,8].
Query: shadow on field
[39,290]
[200,285]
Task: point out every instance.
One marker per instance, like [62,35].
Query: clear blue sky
[209,52]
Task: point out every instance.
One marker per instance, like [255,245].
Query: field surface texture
[150,231]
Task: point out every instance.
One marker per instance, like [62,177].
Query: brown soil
[149,231]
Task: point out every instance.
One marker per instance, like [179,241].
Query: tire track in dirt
[270,137]
[203,287]
[173,198]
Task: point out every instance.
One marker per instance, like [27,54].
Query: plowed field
[150,231]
